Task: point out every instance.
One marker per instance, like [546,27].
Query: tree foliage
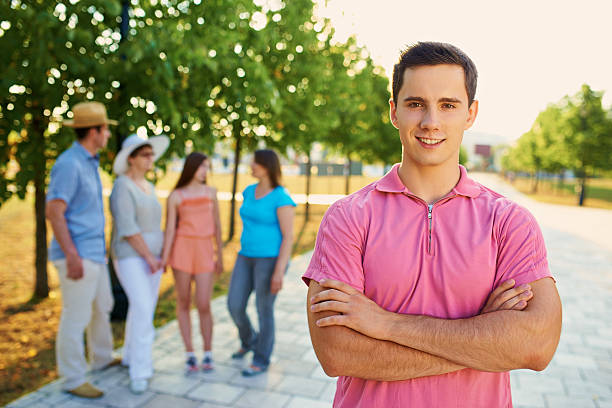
[573,134]
[251,72]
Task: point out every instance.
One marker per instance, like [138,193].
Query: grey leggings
[253,273]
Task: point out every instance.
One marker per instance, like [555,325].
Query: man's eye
[448,106]
[415,105]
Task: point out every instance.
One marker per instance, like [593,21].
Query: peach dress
[193,250]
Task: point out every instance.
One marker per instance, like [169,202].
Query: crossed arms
[353,336]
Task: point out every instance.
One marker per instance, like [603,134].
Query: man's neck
[429,183]
[89,146]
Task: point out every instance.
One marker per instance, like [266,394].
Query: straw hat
[89,114]
[158,143]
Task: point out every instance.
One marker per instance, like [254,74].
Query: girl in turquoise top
[267,236]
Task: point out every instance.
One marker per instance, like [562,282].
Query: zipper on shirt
[429,215]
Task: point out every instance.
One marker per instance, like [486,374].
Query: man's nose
[430,120]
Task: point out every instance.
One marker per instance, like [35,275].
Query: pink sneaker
[207,364]
[191,365]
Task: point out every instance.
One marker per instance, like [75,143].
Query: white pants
[141,287]
[86,304]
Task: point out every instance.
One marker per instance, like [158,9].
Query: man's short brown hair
[435,53]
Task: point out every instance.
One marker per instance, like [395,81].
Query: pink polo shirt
[443,262]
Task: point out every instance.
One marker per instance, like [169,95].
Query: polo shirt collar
[391,183]
[83,152]
[466,186]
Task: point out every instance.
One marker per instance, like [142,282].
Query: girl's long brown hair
[192,162]
[269,160]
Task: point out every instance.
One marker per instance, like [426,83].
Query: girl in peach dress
[192,247]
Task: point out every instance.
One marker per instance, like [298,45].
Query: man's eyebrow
[419,99]
[414,98]
[452,100]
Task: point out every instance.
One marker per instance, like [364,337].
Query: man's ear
[472,113]
[393,113]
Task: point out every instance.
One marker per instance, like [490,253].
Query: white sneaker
[138,386]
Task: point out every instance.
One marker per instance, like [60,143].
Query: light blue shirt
[261,234]
[75,180]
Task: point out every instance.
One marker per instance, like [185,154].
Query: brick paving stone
[76,403]
[604,403]
[562,401]
[56,398]
[120,397]
[329,392]
[295,367]
[171,401]
[266,381]
[575,360]
[588,389]
[26,400]
[528,398]
[301,402]
[173,384]
[306,387]
[257,398]
[217,393]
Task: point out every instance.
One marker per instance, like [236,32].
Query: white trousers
[86,304]
[141,287]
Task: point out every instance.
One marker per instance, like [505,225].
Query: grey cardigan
[134,212]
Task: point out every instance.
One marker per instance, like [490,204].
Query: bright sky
[528,53]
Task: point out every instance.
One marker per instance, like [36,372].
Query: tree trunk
[347,189]
[582,191]
[41,285]
[41,288]
[536,179]
[308,179]
[234,187]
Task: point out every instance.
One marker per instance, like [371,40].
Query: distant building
[482,150]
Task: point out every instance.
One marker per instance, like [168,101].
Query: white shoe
[138,386]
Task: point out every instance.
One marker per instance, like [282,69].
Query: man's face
[100,137]
[432,113]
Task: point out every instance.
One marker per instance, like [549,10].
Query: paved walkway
[579,376]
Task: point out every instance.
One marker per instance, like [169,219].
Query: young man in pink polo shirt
[419,282]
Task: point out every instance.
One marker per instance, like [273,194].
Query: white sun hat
[158,143]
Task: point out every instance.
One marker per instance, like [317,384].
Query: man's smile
[429,141]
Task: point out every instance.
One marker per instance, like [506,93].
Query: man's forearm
[356,355]
[498,341]
[62,234]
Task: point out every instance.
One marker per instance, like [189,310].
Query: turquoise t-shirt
[261,233]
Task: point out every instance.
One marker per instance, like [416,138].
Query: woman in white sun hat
[136,246]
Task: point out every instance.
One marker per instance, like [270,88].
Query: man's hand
[74,267]
[276,283]
[508,297]
[356,311]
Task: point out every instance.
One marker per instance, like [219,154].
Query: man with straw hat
[78,251]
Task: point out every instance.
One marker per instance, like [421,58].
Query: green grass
[598,192]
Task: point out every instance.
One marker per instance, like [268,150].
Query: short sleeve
[284,199]
[123,209]
[338,251]
[521,251]
[64,181]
